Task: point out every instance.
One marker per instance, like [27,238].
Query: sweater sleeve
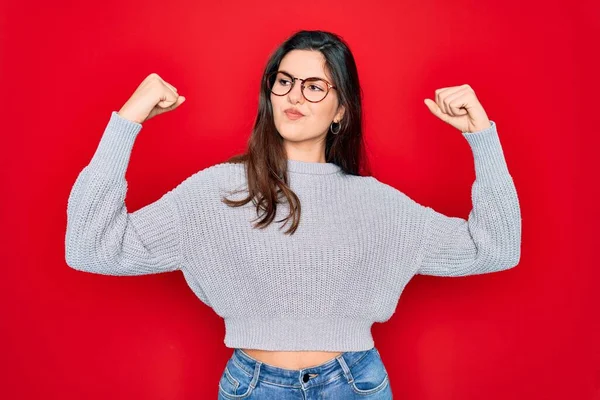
[490,240]
[101,236]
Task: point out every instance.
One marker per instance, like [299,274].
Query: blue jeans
[350,375]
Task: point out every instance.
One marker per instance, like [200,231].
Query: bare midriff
[292,359]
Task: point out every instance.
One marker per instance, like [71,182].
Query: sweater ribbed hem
[114,150]
[313,168]
[299,334]
[490,164]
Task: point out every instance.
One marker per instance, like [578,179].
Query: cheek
[276,116]
[276,106]
[276,100]
[324,114]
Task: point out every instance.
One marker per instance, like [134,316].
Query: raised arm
[101,236]
[490,240]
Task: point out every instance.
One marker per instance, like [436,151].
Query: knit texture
[358,244]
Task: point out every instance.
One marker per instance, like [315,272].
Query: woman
[298,305]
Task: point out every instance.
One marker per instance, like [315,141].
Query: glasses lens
[315,89]
[280,83]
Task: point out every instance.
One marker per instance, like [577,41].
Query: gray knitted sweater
[358,244]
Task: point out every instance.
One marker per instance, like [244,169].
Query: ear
[340,114]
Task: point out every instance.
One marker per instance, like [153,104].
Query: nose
[295,95]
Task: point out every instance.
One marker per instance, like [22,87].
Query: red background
[527,333]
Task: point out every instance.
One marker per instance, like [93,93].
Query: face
[313,126]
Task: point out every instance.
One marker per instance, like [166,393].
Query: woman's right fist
[154,96]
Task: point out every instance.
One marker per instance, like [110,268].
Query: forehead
[305,64]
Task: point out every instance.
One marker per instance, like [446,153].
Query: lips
[293,115]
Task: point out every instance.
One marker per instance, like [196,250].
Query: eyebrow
[318,77]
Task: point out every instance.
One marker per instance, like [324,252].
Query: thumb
[435,109]
[168,105]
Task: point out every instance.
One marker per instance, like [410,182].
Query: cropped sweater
[358,243]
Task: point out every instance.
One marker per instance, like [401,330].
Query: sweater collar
[313,168]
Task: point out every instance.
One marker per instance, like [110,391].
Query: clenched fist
[154,96]
[459,107]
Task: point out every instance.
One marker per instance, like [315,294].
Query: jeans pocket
[235,383]
[369,375]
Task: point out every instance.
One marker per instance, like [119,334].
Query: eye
[315,88]
[283,81]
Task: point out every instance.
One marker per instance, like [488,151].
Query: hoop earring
[339,128]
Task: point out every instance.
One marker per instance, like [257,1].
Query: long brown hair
[265,158]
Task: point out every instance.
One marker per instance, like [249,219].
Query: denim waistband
[311,376]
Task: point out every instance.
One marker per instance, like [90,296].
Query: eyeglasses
[281,83]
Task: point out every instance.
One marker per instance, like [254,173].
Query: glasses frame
[302,85]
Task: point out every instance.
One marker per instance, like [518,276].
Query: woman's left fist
[459,107]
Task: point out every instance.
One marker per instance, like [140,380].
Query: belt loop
[345,368]
[257,366]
